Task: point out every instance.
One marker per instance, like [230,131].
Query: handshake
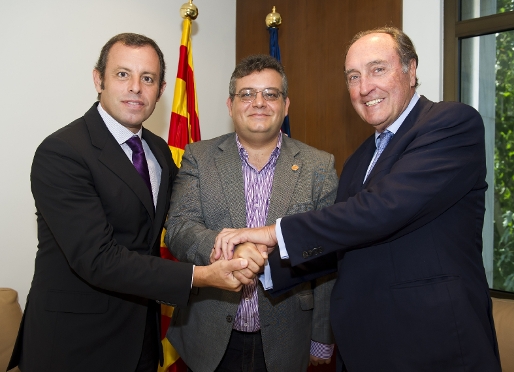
[237,257]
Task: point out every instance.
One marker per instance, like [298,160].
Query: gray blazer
[208,195]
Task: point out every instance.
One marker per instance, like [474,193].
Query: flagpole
[184,129]
[273,19]
[273,22]
[189,10]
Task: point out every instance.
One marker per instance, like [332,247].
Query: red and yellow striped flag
[184,123]
[184,129]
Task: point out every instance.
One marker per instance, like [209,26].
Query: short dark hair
[129,39]
[253,63]
[404,46]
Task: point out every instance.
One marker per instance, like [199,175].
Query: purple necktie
[382,141]
[139,159]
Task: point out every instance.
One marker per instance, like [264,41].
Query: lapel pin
[294,167]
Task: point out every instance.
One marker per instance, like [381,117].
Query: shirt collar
[398,122]
[274,154]
[120,133]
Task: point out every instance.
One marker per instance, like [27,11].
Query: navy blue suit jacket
[411,293]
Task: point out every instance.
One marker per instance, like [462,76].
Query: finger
[228,247]
[218,242]
[236,287]
[212,257]
[243,279]
[236,264]
[254,267]
[247,273]
[216,252]
[263,249]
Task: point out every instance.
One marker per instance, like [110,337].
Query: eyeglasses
[249,95]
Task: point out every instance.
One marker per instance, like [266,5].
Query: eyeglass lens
[249,95]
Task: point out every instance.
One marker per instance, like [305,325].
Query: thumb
[237,264]
[263,248]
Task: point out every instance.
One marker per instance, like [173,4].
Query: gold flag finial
[273,19]
[189,10]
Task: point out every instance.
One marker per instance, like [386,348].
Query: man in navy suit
[91,305]
[411,293]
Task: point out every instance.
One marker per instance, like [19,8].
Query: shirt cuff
[192,276]
[280,239]
[322,351]
[265,278]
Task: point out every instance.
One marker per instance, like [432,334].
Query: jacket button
[305,254]
[229,318]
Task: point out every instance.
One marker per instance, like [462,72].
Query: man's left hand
[315,360]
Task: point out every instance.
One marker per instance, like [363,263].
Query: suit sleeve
[321,274]
[69,205]
[187,236]
[321,330]
[442,162]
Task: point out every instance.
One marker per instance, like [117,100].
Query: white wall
[423,22]
[49,49]
[48,52]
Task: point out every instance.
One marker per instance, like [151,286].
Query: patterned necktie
[139,159]
[382,141]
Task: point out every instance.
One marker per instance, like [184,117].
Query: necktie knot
[382,141]
[135,144]
[139,159]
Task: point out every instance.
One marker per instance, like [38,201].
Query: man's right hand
[219,275]
[256,257]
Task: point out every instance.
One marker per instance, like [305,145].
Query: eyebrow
[130,70]
[376,62]
[258,88]
[369,64]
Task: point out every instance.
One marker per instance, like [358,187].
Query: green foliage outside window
[504,158]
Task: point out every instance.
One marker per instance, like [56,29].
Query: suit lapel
[228,163]
[160,208]
[113,157]
[368,149]
[396,144]
[285,178]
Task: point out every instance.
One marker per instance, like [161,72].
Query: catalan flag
[184,129]
[184,123]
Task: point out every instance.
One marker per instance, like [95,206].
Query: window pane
[480,8]
[487,83]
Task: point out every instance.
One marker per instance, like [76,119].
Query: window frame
[454,31]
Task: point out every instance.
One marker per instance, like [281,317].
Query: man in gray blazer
[248,179]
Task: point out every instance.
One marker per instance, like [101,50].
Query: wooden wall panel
[313,39]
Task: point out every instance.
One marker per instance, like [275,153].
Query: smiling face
[379,88]
[259,120]
[130,88]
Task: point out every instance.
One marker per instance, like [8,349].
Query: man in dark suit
[250,178]
[411,293]
[101,203]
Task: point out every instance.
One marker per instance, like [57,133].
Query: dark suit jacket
[95,267]
[411,293]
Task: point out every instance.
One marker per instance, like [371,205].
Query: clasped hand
[255,255]
[252,245]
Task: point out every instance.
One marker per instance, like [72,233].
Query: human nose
[259,100]
[366,85]
[135,85]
